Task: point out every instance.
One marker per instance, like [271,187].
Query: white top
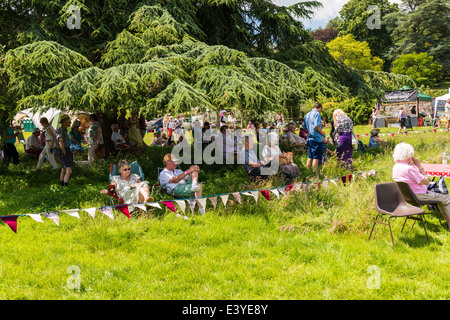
[115,136]
[48,137]
[165,176]
[271,152]
[171,125]
[31,141]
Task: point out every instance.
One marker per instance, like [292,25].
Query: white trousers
[91,152]
[50,155]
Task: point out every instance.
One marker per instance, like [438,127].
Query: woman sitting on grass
[128,187]
[415,176]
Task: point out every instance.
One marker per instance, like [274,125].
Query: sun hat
[374,132]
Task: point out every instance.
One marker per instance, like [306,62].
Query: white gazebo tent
[439,105]
[51,114]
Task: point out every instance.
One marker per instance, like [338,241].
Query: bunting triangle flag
[124,210]
[107,211]
[169,205]
[192,205]
[72,213]
[319,185]
[237,196]
[202,202]
[224,199]
[371,172]
[255,195]
[325,185]
[154,204]
[54,216]
[266,194]
[276,193]
[392,134]
[182,205]
[11,222]
[288,188]
[282,190]
[364,175]
[334,182]
[350,176]
[36,217]
[91,211]
[142,207]
[213,201]
[344,179]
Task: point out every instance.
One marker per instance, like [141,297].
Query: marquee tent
[51,114]
[439,104]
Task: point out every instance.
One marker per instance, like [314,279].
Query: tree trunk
[105,122]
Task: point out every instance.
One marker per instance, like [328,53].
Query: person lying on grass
[182,184]
[408,169]
[128,187]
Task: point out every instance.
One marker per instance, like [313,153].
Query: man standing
[10,151]
[313,123]
[65,154]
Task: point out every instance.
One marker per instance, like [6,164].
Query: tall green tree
[358,20]
[420,67]
[426,29]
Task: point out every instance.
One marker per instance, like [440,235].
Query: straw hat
[374,132]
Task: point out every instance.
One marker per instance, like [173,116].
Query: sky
[329,11]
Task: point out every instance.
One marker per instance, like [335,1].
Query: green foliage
[426,28]
[354,53]
[354,20]
[359,111]
[419,66]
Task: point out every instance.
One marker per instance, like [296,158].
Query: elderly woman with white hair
[408,169]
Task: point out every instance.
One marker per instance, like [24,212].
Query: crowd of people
[60,144]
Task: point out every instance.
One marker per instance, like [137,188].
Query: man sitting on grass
[182,184]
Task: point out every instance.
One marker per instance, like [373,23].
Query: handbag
[438,186]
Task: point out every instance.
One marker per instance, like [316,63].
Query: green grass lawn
[311,245]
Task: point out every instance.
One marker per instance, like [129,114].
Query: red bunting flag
[169,205]
[350,176]
[392,134]
[124,210]
[289,187]
[266,194]
[344,179]
[11,222]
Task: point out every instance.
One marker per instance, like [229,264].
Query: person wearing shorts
[65,153]
[182,184]
[313,123]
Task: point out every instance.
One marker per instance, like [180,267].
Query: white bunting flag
[255,195]
[36,217]
[283,191]
[192,205]
[154,204]
[73,213]
[334,182]
[182,205]
[224,200]
[141,206]
[237,196]
[275,192]
[325,185]
[91,211]
[246,193]
[213,201]
[107,211]
[52,216]
[371,173]
[202,202]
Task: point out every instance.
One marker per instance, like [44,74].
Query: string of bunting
[396,133]
[11,220]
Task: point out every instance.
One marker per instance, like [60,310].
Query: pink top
[405,172]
